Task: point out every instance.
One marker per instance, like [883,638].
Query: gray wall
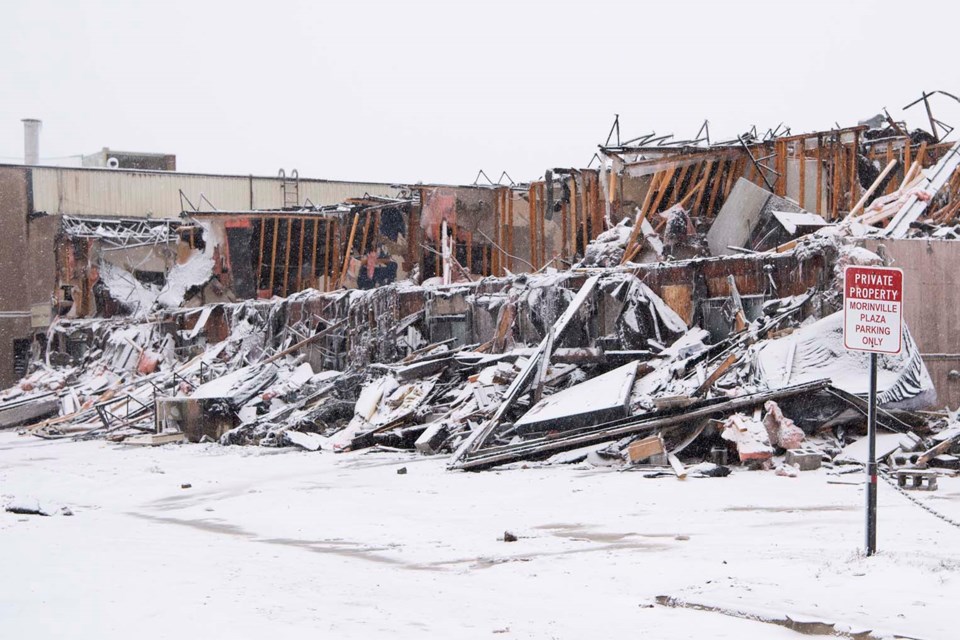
[931,297]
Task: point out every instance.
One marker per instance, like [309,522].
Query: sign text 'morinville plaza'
[873,309]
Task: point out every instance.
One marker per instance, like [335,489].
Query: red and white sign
[872,309]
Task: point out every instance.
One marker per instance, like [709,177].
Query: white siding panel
[131,194]
[155,194]
[267,193]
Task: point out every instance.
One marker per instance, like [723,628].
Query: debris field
[673,315]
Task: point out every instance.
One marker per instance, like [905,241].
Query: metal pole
[872,460]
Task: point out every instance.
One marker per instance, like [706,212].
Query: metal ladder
[290,188]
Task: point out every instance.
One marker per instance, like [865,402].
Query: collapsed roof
[662,295]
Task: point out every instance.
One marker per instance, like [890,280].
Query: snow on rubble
[557,367]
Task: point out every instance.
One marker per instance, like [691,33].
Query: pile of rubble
[588,364]
[703,330]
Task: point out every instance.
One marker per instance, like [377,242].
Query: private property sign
[872,309]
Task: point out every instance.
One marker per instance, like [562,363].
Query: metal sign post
[871,543]
[872,322]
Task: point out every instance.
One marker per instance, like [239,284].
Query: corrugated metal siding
[267,193]
[134,194]
[131,194]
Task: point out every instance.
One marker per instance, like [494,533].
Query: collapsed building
[681,298]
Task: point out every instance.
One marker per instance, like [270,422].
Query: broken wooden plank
[937,449]
[430,441]
[739,317]
[645,448]
[662,190]
[541,374]
[348,251]
[728,362]
[858,208]
[634,233]
[155,439]
[936,177]
[677,466]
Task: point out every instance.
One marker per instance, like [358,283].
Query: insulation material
[156,258]
[440,204]
[140,298]
[469,209]
[193,273]
[781,430]
[148,362]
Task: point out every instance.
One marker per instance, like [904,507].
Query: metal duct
[31,141]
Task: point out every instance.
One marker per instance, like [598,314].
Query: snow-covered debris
[347,370]
[141,298]
[606,250]
[816,352]
[30,506]
[750,437]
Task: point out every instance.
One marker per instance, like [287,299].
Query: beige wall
[931,297]
[117,192]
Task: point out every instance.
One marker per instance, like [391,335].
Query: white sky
[434,91]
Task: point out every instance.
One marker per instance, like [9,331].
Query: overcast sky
[435,91]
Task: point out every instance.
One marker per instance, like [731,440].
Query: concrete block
[804,459]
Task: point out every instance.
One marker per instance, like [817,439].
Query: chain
[892,483]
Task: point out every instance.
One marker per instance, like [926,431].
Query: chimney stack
[31,141]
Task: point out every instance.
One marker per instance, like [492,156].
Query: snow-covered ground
[289,544]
